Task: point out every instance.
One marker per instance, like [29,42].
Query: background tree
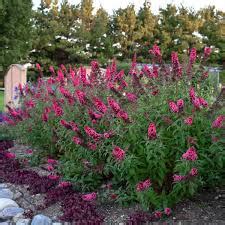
[146,27]
[221,39]
[213,30]
[71,34]
[101,41]
[55,32]
[168,29]
[15,31]
[126,32]
[188,29]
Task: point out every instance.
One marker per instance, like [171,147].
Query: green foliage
[6,133]
[15,31]
[222,77]
[1,100]
[123,66]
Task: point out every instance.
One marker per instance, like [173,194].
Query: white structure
[16,74]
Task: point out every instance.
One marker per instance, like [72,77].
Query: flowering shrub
[146,134]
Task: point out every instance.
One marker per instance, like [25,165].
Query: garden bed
[148,139]
[207,206]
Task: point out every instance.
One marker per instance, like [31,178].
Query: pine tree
[86,13]
[168,29]
[213,29]
[146,28]
[55,33]
[101,42]
[15,31]
[126,29]
[146,21]
[189,25]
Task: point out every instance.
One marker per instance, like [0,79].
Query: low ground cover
[1,100]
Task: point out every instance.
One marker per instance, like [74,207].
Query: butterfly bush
[148,133]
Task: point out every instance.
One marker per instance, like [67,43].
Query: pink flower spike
[207,52]
[152,131]
[193,55]
[131,97]
[51,69]
[92,133]
[193,172]
[89,197]
[29,151]
[118,153]
[173,107]
[64,184]
[155,51]
[57,109]
[77,140]
[100,106]
[178,178]
[196,102]
[10,155]
[38,66]
[203,102]
[158,214]
[92,146]
[52,161]
[123,115]
[50,168]
[180,104]
[143,185]
[53,177]
[218,122]
[188,121]
[167,211]
[113,105]
[190,154]
[81,96]
[192,93]
[108,135]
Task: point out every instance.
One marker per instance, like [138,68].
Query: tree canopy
[67,33]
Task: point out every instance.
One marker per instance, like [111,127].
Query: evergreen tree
[101,42]
[146,22]
[126,29]
[213,30]
[15,31]
[55,32]
[221,40]
[189,27]
[86,13]
[168,29]
[146,28]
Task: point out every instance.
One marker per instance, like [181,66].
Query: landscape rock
[10,212]
[23,222]
[41,220]
[6,203]
[17,195]
[5,223]
[6,193]
[3,186]
[18,217]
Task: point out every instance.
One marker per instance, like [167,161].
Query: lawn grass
[1,100]
[222,77]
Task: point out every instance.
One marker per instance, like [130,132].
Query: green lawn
[222,77]
[1,100]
